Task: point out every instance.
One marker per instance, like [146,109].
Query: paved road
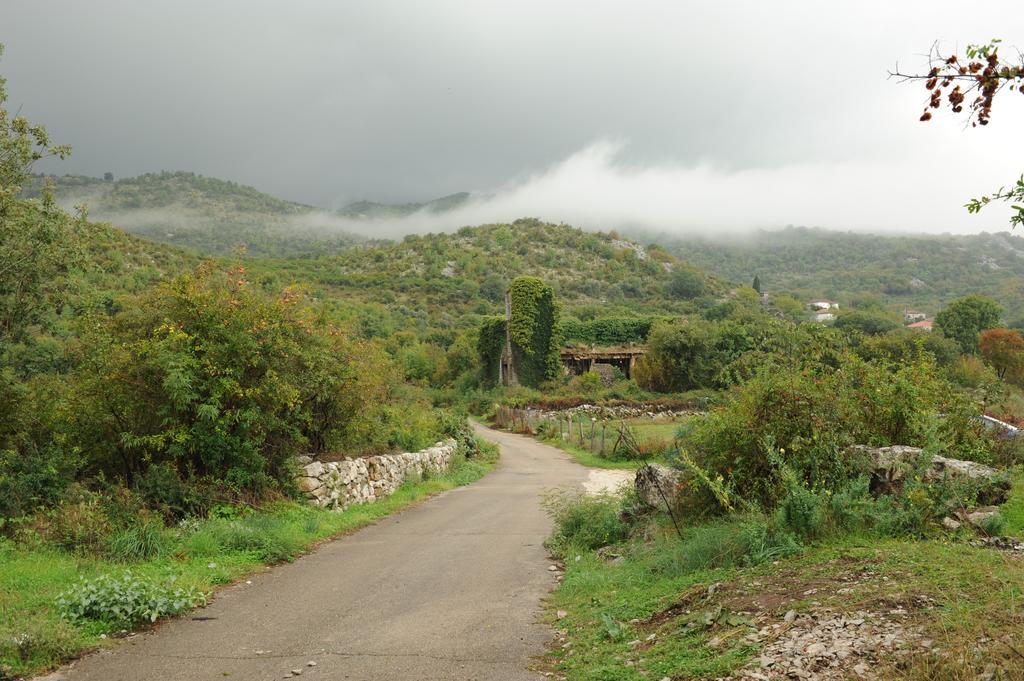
[449,589]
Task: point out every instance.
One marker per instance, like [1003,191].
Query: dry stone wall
[340,484]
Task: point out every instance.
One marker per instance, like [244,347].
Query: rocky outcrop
[658,485]
[891,465]
[340,484]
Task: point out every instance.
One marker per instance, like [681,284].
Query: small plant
[584,521]
[126,600]
[143,541]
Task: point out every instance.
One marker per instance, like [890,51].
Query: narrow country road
[449,589]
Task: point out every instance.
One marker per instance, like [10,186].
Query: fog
[596,188]
[691,115]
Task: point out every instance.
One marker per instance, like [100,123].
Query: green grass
[661,588]
[214,552]
[1013,510]
[588,458]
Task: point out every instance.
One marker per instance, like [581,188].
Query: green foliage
[216,379]
[126,600]
[607,330]
[679,357]
[141,542]
[967,317]
[867,322]
[490,343]
[37,643]
[686,283]
[810,417]
[532,328]
[583,521]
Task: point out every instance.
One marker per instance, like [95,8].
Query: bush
[126,600]
[138,543]
[810,417]
[584,521]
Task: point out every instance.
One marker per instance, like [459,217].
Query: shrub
[146,540]
[584,521]
[126,600]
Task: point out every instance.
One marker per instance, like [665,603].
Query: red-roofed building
[924,325]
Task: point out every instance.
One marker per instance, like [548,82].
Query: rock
[979,516]
[656,484]
[790,616]
[950,524]
[313,470]
[890,466]
[296,672]
[311,663]
[308,485]
[561,614]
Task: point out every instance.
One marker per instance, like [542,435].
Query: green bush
[808,418]
[126,600]
[141,542]
[584,521]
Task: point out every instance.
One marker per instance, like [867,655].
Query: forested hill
[919,271]
[205,214]
[445,281]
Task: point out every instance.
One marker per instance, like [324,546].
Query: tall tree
[967,317]
[757,284]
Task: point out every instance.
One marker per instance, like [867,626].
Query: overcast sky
[689,115]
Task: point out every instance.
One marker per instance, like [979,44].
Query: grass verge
[706,605]
[200,555]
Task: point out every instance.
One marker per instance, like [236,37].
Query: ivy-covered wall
[533,328]
[607,330]
[489,345]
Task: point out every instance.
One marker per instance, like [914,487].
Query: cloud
[595,188]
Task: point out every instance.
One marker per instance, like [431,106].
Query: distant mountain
[372,210]
[212,216]
[919,271]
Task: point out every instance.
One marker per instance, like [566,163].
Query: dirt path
[449,589]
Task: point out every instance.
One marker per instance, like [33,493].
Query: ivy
[608,330]
[489,346]
[533,330]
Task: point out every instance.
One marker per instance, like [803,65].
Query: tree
[108,176]
[680,356]
[965,318]
[867,322]
[757,284]
[686,283]
[1003,350]
[983,73]
[34,236]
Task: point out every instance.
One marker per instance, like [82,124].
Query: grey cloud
[782,104]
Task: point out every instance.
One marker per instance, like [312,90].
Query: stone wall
[340,484]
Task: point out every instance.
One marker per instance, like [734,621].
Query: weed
[144,541]
[126,600]
[583,522]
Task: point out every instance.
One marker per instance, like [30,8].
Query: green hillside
[923,272]
[205,214]
[446,281]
